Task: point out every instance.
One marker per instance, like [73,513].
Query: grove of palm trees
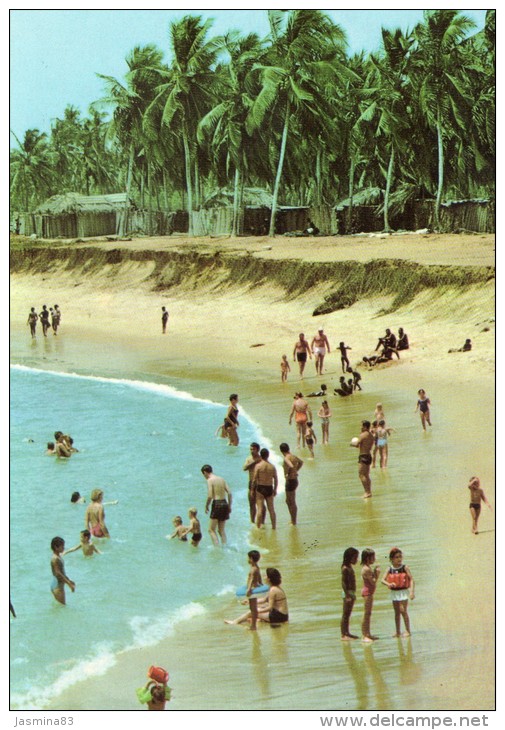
[291,113]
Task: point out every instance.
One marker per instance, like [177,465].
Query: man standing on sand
[265,484]
[249,466]
[318,346]
[218,493]
[291,465]
[300,352]
[365,444]
[164,320]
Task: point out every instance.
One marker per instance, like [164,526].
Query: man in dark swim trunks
[365,445]
[302,347]
[218,493]
[249,466]
[265,483]
[291,465]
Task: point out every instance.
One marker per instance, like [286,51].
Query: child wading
[400,582]
[350,558]
[370,577]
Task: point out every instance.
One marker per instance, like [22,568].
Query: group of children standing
[398,579]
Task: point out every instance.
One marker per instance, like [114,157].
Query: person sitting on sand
[403,340]
[94,518]
[274,608]
[466,347]
[343,390]
[87,547]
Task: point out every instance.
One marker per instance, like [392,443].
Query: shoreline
[253,372]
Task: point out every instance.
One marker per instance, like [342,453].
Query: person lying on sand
[466,347]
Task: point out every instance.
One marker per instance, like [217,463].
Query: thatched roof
[253,197]
[75,203]
[367,196]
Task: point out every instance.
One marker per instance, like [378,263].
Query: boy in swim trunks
[476,497]
[285,369]
[87,547]
[60,578]
[180,530]
[310,438]
[194,527]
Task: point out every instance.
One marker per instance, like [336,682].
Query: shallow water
[143,444]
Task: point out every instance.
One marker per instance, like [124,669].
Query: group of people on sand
[94,523]
[388,345]
[398,580]
[49,318]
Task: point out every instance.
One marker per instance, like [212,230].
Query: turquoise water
[143,444]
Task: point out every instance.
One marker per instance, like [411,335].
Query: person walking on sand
[32,321]
[302,348]
[324,414]
[231,421]
[219,499]
[291,465]
[310,439]
[370,575]
[94,518]
[302,413]
[319,345]
[249,466]
[265,484]
[400,582]
[55,319]
[44,320]
[346,365]
[476,497]
[350,558]
[60,578]
[423,405]
[285,369]
[364,442]
[164,320]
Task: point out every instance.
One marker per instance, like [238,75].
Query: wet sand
[420,503]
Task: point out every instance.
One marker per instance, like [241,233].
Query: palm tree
[225,123]
[303,60]
[388,109]
[186,91]
[130,99]
[31,169]
[435,71]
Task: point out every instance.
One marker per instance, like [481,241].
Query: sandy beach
[230,339]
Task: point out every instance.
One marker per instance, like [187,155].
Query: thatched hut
[79,216]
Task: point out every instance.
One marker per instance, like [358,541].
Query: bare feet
[367,495]
[406,634]
[367,640]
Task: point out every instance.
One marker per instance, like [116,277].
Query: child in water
[400,582]
[476,497]
[310,438]
[194,527]
[350,558]
[285,369]
[324,414]
[423,405]
[381,436]
[60,578]
[180,530]
[370,577]
[87,547]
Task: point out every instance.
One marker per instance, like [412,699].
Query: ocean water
[143,444]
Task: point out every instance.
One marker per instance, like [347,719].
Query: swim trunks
[365,459]
[320,351]
[475,506]
[196,536]
[301,356]
[309,442]
[291,485]
[220,510]
[96,531]
[276,617]
[265,490]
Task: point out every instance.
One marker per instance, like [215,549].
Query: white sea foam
[147,632]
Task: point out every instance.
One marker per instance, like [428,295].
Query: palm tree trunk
[440,172]
[165,191]
[278,176]
[236,194]
[388,189]
[187,165]
[129,174]
[197,185]
[319,185]
[351,193]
